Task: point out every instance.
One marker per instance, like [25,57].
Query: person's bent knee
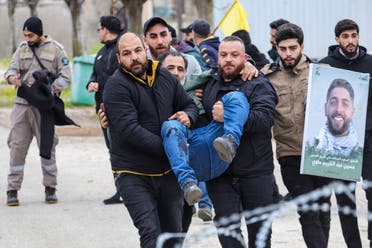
[171,125]
[236,96]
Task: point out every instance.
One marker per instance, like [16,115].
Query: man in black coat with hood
[104,66]
[349,55]
[247,183]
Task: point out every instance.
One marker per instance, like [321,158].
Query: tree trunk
[32,4]
[135,15]
[113,10]
[77,44]
[205,10]
[180,11]
[11,10]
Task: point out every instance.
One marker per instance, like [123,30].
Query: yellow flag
[234,19]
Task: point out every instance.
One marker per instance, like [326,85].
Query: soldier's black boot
[50,195]
[12,198]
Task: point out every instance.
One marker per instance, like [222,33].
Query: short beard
[287,67]
[231,75]
[350,55]
[141,72]
[339,131]
[34,44]
[155,52]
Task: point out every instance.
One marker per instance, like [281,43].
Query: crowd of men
[191,120]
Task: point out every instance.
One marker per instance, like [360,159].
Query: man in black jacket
[105,64]
[138,98]
[349,55]
[247,183]
[274,25]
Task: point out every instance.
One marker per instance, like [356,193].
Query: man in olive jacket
[290,80]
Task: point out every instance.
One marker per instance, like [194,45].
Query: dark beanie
[34,25]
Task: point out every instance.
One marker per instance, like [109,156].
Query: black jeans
[231,195]
[187,216]
[106,135]
[367,175]
[154,204]
[349,222]
[315,224]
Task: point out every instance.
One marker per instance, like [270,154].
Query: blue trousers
[205,201]
[191,152]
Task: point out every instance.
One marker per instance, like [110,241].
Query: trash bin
[82,69]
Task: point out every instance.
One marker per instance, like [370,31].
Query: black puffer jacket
[135,113]
[255,155]
[363,63]
[209,51]
[105,64]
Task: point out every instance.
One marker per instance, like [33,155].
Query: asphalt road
[80,219]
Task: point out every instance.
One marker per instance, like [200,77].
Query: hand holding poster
[336,107]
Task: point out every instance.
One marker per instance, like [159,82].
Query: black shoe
[226,147]
[192,193]
[115,199]
[12,198]
[277,197]
[287,197]
[50,195]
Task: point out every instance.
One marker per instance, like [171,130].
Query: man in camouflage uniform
[25,118]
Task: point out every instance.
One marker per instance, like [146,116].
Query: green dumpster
[82,68]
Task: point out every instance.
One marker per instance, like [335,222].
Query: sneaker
[205,213]
[226,148]
[50,195]
[192,193]
[12,198]
[115,199]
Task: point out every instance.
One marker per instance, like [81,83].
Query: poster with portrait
[336,108]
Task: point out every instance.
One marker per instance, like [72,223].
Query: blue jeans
[205,201]
[191,152]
